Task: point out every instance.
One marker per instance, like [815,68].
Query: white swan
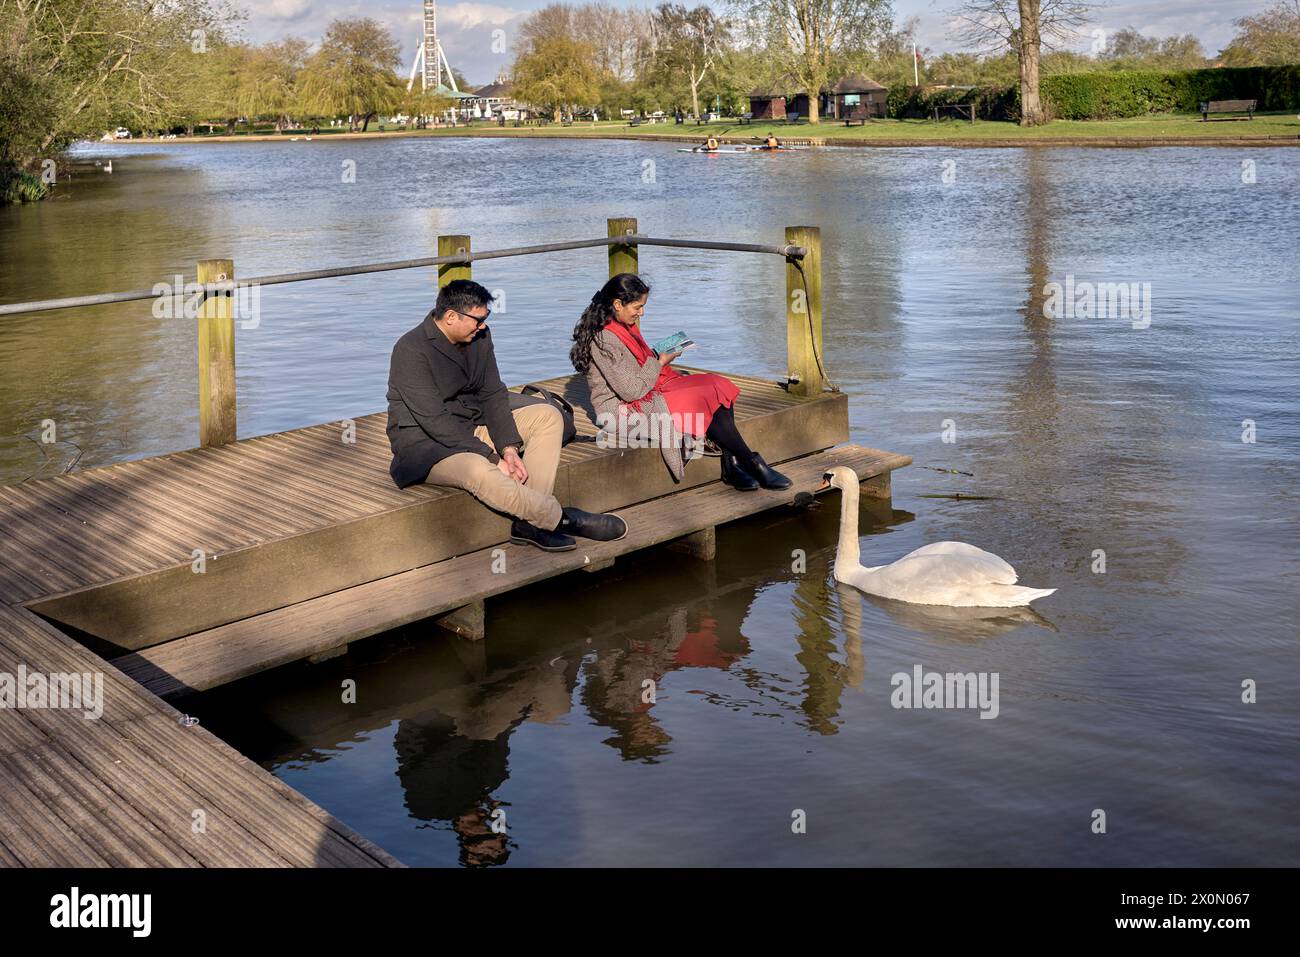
[945,573]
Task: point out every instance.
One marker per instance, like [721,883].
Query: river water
[1084,439]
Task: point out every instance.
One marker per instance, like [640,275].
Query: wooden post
[803,311]
[622,257]
[216,356]
[466,621]
[702,544]
[450,246]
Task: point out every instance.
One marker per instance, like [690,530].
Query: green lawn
[926,131]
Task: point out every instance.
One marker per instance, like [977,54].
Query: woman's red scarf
[630,336]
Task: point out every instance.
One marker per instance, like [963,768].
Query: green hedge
[1103,96]
[991,102]
[1106,96]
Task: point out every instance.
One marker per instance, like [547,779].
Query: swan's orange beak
[825,483]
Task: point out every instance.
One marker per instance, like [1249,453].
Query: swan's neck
[847,555]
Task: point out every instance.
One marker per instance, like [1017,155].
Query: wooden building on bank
[858,97]
[767,104]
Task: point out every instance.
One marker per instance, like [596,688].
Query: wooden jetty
[183,572]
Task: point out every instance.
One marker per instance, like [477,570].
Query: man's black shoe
[767,476]
[526,533]
[600,528]
[735,476]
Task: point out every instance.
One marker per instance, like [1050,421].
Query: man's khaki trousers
[542,429]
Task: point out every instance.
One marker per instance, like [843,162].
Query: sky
[467,30]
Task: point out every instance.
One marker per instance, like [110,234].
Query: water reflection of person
[615,692]
[454,755]
[449,777]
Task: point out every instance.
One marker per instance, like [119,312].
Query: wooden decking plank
[26,538]
[356,470]
[132,504]
[256,487]
[232,786]
[126,552]
[8,858]
[278,462]
[224,494]
[37,835]
[346,499]
[277,637]
[182,488]
[140,496]
[16,586]
[28,640]
[166,797]
[120,834]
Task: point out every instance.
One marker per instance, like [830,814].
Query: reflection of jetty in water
[456,703]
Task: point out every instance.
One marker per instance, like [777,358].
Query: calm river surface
[1124,694]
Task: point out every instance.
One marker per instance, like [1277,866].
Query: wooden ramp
[136,786]
[196,568]
[221,655]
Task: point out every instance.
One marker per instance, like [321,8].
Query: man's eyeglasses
[478,320]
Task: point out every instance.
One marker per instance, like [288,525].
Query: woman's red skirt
[692,399]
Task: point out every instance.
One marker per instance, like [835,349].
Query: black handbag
[536,395]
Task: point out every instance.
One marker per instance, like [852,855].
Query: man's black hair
[461,295]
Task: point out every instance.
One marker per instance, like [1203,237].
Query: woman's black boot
[767,476]
[735,476]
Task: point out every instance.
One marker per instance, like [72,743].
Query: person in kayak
[710,145]
[627,378]
[772,142]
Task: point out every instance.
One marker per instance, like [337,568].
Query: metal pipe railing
[631,239]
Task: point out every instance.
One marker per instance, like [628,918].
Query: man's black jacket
[438,393]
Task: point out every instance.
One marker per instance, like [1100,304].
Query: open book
[677,342]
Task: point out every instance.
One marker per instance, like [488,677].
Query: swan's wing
[929,578]
[998,570]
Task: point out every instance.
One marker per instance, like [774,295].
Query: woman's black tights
[722,430]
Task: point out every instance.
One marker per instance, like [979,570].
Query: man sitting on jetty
[446,400]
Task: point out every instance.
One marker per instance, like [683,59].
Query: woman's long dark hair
[625,287]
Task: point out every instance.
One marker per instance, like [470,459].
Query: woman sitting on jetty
[625,377]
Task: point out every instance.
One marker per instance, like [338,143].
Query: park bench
[636,121]
[1228,106]
[745,119]
[792,117]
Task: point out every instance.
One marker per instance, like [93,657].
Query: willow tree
[1020,26]
[268,84]
[557,74]
[805,38]
[353,73]
[70,69]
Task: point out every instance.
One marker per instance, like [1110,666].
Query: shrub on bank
[1115,94]
[17,186]
[1104,96]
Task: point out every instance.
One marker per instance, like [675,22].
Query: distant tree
[557,74]
[1128,49]
[688,44]
[420,104]
[1021,26]
[805,38]
[268,81]
[1271,38]
[352,74]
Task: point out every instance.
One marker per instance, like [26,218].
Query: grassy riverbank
[1165,129]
